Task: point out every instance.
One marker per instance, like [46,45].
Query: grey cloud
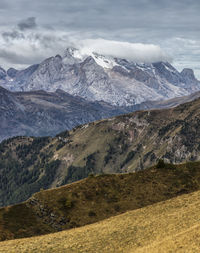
[19,59]
[4,5]
[12,35]
[135,21]
[29,23]
[22,49]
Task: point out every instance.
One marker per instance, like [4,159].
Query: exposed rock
[48,216]
[2,74]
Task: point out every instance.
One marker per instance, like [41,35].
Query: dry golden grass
[96,198]
[169,226]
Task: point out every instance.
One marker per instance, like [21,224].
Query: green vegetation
[77,173]
[21,166]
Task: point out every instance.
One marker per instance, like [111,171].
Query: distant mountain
[40,113]
[102,78]
[120,144]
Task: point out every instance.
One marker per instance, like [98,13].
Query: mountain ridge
[125,143]
[41,113]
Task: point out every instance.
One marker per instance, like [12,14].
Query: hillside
[168,226]
[125,143]
[96,198]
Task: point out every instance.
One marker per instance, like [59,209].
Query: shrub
[60,145]
[91,214]
[68,203]
[160,164]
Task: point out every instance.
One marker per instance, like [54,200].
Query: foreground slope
[168,226]
[96,198]
[125,143]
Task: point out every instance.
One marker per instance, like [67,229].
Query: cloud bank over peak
[29,44]
[137,52]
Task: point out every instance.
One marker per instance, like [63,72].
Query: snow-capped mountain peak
[73,55]
[98,77]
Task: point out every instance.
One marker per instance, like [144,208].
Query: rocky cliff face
[101,78]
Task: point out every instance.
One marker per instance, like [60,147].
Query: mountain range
[95,77]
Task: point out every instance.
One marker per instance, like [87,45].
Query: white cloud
[21,49]
[137,52]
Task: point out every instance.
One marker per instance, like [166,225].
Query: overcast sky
[144,30]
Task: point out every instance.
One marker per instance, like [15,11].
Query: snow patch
[105,62]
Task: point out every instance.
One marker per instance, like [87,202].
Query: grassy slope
[95,199]
[121,144]
[169,226]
